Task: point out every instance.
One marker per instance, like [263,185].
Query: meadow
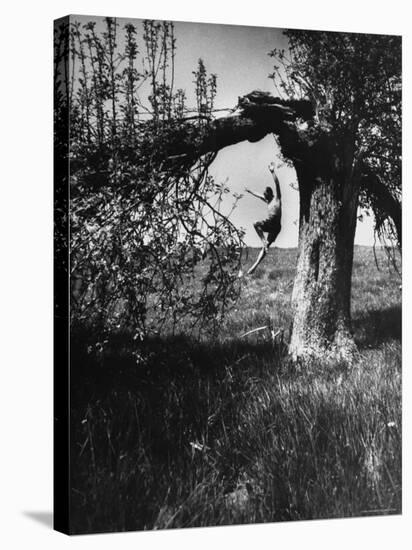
[226,429]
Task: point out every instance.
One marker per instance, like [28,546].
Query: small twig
[274,334]
[254,330]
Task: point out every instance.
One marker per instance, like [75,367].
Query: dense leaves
[354,83]
[141,220]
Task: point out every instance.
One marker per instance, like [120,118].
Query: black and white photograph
[205,297]
[228,274]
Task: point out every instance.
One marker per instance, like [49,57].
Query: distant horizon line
[296,247]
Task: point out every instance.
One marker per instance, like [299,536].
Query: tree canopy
[354,83]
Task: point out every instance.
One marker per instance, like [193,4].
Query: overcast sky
[239,57]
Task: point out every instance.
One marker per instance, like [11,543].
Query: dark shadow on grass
[147,407]
[44,518]
[163,428]
[164,357]
[375,326]
[184,369]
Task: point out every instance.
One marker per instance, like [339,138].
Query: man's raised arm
[275,179]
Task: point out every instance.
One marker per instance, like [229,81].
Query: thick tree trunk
[322,288]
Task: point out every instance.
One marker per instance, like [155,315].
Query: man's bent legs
[272,236]
[259,231]
[266,243]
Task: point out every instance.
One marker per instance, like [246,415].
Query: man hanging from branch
[270,225]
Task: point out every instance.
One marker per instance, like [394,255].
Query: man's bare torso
[274,208]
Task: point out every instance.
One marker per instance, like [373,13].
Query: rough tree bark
[329,197]
[322,289]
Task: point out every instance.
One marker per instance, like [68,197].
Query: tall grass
[185,432]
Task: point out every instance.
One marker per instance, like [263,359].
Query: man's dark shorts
[270,225]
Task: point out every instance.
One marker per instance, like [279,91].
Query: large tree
[337,119]
[339,123]
[353,146]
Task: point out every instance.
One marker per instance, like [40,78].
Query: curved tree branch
[257,114]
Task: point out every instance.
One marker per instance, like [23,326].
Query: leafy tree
[141,219]
[338,121]
[348,155]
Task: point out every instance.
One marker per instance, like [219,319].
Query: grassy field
[228,430]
